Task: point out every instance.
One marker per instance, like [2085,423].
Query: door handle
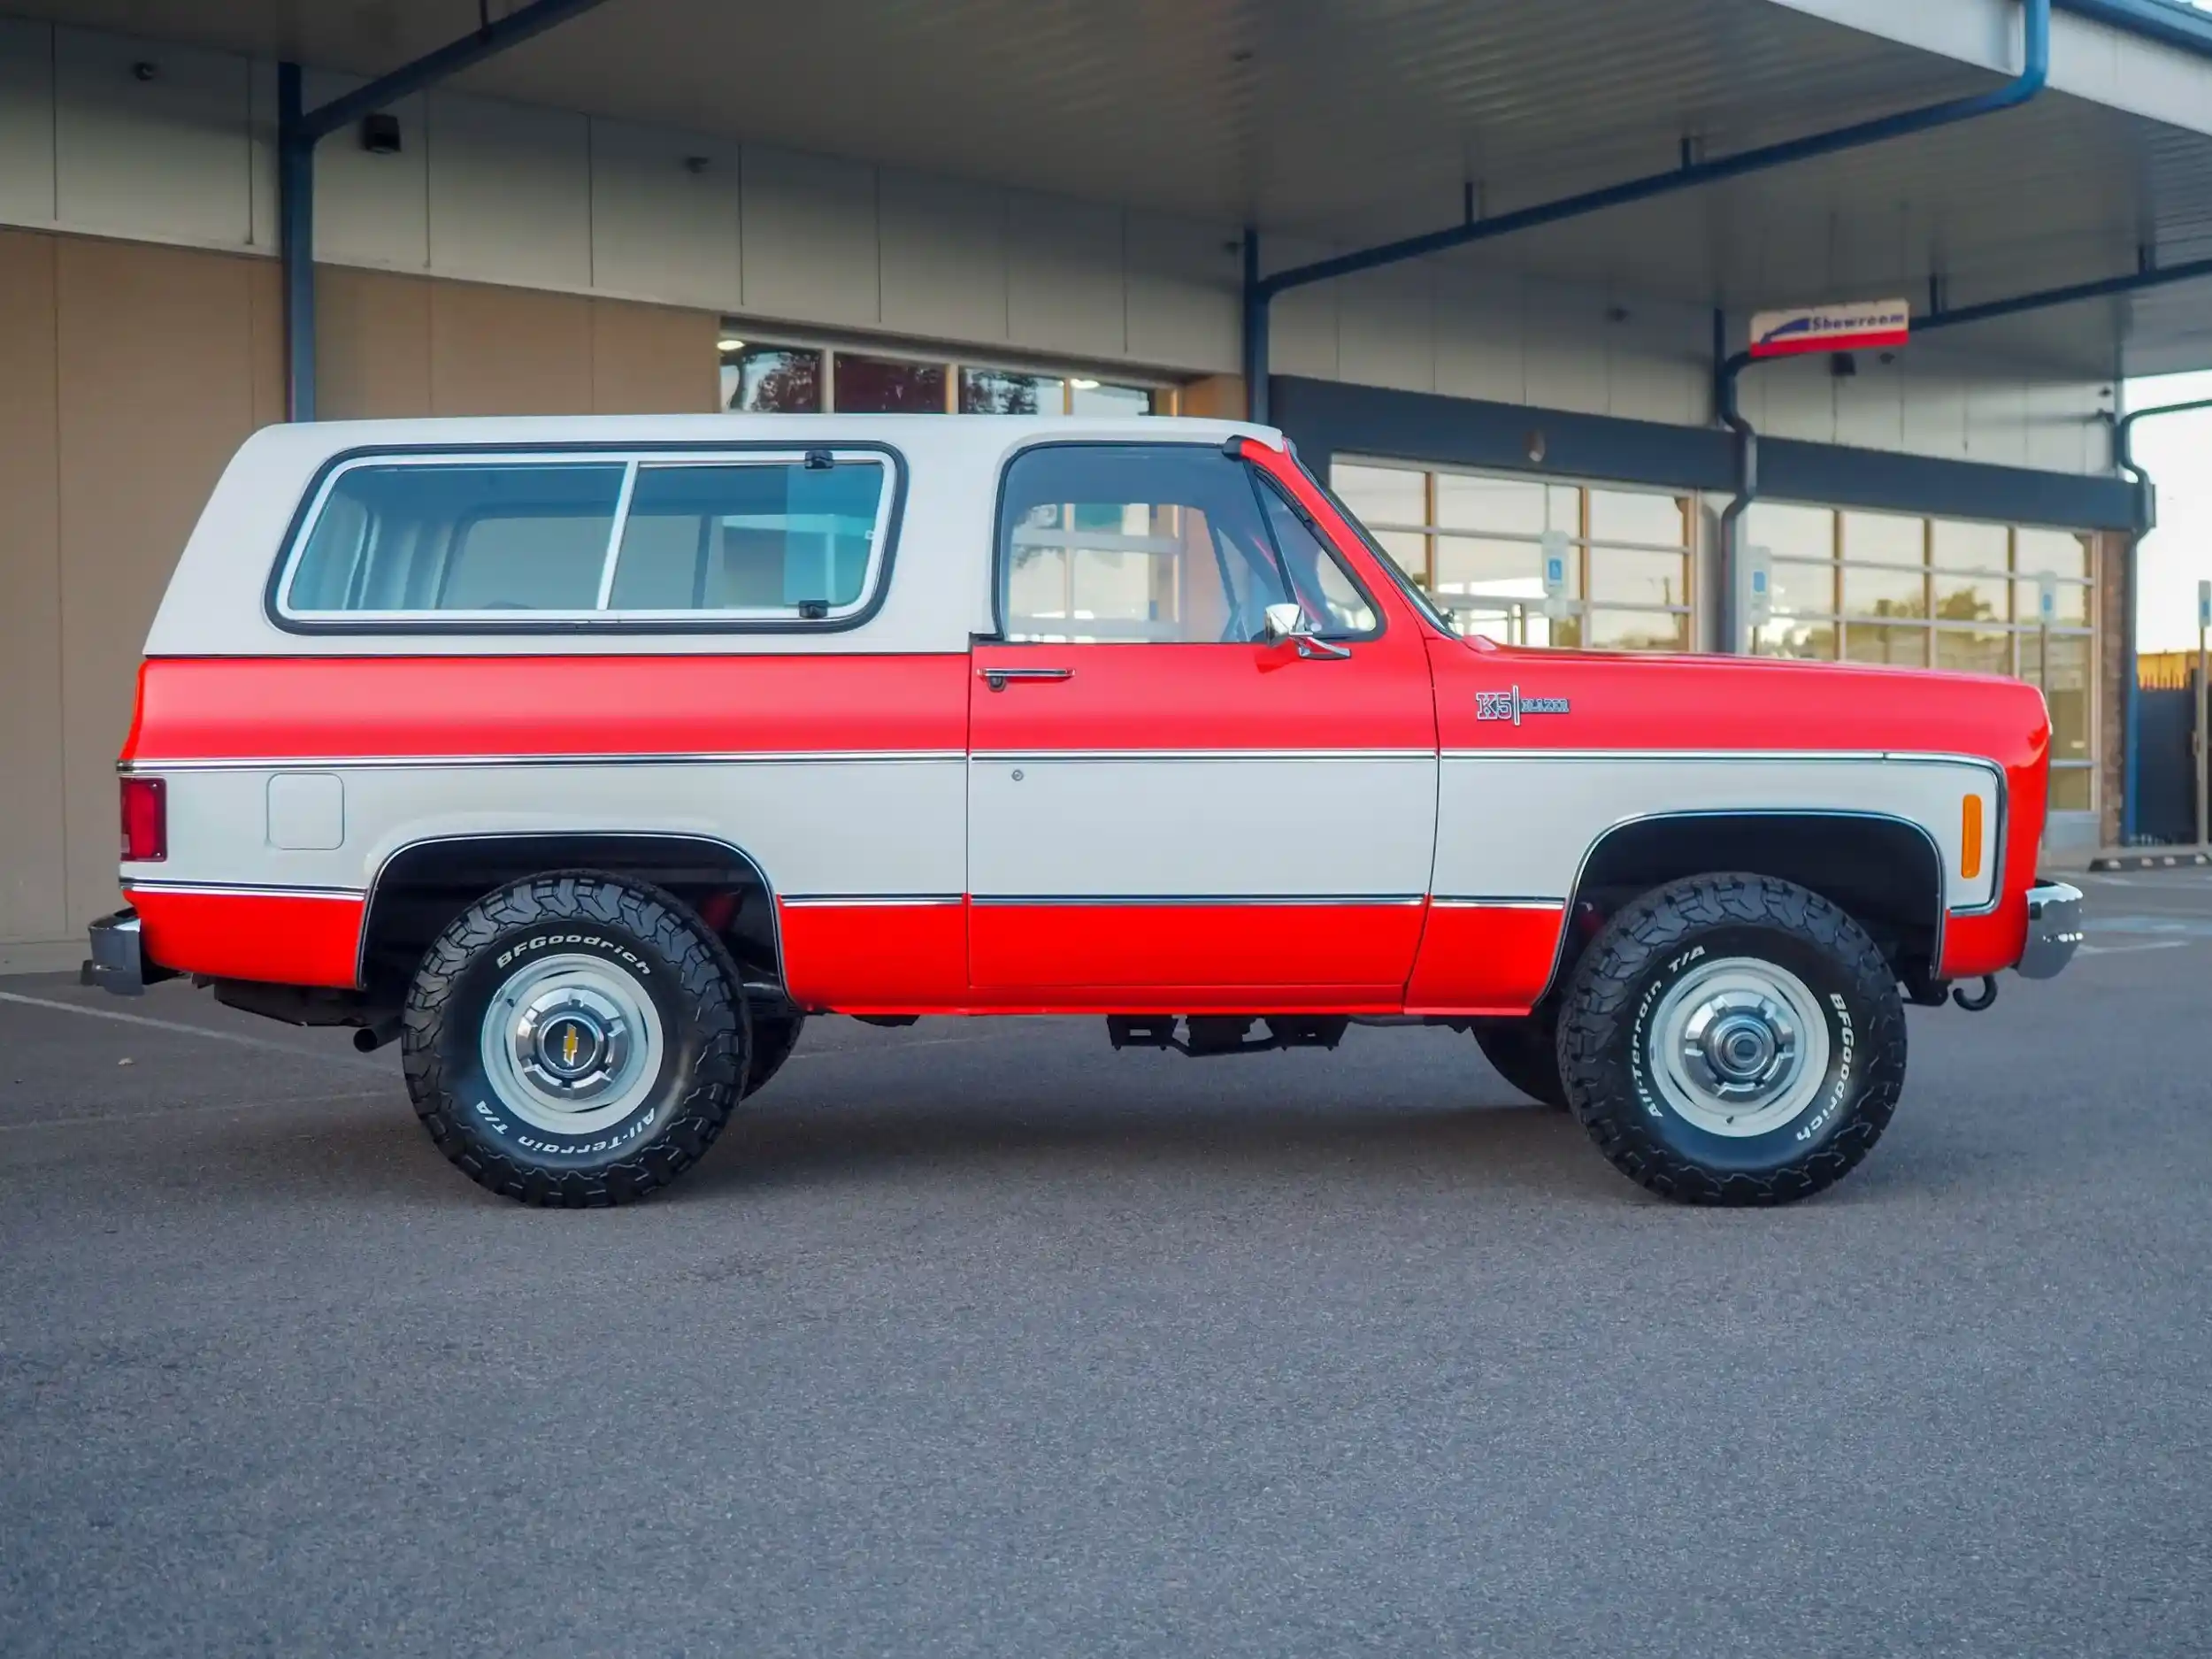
[996,678]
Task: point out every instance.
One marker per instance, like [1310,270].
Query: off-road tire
[695,988]
[773,1039]
[1526,1053]
[1651,943]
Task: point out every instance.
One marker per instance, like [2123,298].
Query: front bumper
[2054,928]
[117,962]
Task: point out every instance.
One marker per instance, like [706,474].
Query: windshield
[1405,583]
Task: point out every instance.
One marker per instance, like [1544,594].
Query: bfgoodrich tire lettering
[1640,1119]
[670,994]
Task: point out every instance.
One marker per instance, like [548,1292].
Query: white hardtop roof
[992,434]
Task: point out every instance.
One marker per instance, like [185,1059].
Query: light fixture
[733,345]
[1081,385]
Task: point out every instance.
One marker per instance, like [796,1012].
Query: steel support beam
[299,129]
[1261,290]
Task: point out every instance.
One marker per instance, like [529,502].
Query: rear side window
[777,539]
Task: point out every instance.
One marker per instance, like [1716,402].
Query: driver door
[1167,810]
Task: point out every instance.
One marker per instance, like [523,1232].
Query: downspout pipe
[299,129]
[1725,404]
[2131,691]
[1260,291]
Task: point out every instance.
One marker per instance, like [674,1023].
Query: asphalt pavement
[982,1339]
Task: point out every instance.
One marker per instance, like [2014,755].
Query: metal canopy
[1338,124]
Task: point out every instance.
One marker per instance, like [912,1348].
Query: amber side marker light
[145,820]
[1970,837]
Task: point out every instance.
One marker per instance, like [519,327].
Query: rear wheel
[575,1039]
[773,1040]
[1526,1053]
[1733,1040]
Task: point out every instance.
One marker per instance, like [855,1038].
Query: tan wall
[405,345]
[131,373]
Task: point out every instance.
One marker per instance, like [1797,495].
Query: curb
[2150,860]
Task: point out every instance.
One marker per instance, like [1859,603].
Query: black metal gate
[2166,784]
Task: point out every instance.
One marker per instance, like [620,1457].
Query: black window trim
[391,624]
[1263,485]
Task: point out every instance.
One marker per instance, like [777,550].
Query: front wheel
[575,1039]
[1733,1040]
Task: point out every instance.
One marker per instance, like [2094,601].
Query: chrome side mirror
[1288,621]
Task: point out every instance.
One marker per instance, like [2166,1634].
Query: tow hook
[1981,998]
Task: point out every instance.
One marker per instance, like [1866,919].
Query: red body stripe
[1485,959]
[312,708]
[270,936]
[875,958]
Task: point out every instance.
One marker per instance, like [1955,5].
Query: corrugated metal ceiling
[1342,122]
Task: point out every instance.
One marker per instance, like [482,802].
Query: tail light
[145,820]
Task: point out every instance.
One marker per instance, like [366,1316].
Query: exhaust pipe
[368,1039]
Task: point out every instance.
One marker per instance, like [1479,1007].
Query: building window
[1940,593]
[808,378]
[1475,541]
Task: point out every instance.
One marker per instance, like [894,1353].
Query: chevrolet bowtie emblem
[1511,705]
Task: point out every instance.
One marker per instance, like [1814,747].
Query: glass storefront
[1475,542]
[791,378]
[1940,592]
[1848,585]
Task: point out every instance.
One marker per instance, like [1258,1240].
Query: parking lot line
[149,1022]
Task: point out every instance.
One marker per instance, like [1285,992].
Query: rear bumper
[117,962]
[2054,929]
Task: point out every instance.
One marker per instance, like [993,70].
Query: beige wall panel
[508,351]
[510,192]
[1997,422]
[664,215]
[1184,278]
[1063,276]
[810,238]
[1217,398]
[1301,323]
[372,210]
[158,366]
[1482,346]
[32,863]
[27,122]
[168,156]
[1567,367]
[1386,327]
[1870,405]
[943,256]
[264,300]
[652,359]
[1935,407]
[1659,362]
[372,344]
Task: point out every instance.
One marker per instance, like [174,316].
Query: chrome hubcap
[572,1044]
[1739,1047]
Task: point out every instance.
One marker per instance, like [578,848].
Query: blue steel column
[295,243]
